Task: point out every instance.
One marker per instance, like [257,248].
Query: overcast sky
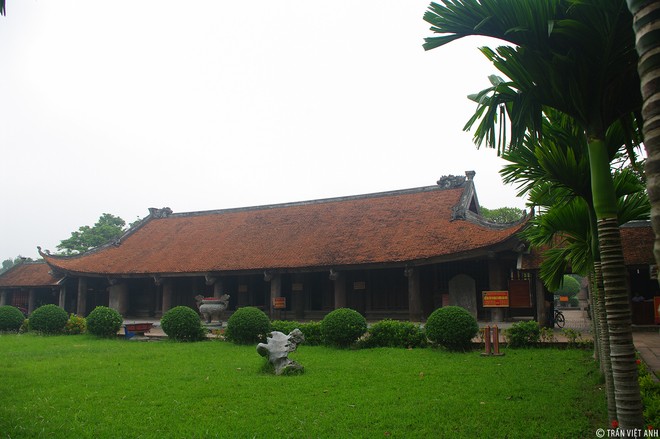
[120,106]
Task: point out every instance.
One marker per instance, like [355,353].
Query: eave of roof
[384,228]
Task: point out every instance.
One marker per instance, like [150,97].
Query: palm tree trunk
[617,308]
[646,23]
[604,338]
[617,304]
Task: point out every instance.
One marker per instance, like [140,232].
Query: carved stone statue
[277,349]
[211,308]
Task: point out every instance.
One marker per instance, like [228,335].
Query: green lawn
[82,387]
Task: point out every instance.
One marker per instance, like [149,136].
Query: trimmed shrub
[104,322]
[247,325]
[311,330]
[182,323]
[48,319]
[452,327]
[284,326]
[75,325]
[312,333]
[342,327]
[523,334]
[11,318]
[394,333]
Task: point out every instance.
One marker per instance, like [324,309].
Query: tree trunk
[646,23]
[604,338]
[617,304]
[617,309]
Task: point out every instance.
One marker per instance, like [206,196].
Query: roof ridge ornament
[160,213]
[455,181]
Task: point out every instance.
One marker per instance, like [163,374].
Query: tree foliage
[8,263]
[107,228]
[569,286]
[502,215]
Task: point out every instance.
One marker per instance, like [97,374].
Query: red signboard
[279,302]
[495,299]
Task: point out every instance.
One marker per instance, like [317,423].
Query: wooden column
[497,282]
[217,289]
[298,297]
[340,288]
[543,307]
[118,298]
[32,295]
[61,301]
[414,295]
[82,297]
[275,291]
[168,294]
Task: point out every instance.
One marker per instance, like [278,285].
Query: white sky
[121,106]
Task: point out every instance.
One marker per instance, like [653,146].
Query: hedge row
[451,327]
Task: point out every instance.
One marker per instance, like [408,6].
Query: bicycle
[559,319]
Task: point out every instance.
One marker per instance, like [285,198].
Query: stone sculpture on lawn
[277,349]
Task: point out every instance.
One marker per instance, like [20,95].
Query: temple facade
[397,254]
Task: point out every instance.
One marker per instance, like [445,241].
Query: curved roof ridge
[313,201]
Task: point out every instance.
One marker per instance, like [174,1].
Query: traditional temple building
[398,254]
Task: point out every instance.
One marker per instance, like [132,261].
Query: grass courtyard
[84,387]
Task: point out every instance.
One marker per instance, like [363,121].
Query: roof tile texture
[28,275]
[388,228]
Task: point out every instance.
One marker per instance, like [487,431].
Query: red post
[496,341]
[487,341]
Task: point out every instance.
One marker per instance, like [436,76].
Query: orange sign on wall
[279,302]
[495,299]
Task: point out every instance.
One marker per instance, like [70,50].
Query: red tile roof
[391,227]
[28,274]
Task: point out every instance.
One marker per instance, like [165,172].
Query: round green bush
[11,318]
[104,322]
[182,323]
[247,325]
[452,327]
[342,327]
[48,319]
[393,333]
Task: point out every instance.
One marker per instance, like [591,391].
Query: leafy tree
[107,228]
[503,215]
[8,263]
[569,286]
[578,58]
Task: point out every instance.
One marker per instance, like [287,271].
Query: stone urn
[211,308]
